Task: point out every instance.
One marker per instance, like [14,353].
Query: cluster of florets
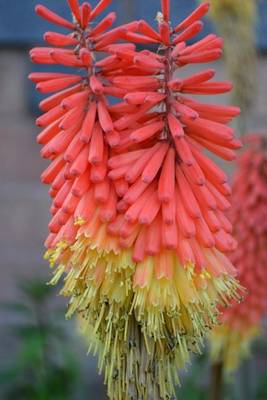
[138,209]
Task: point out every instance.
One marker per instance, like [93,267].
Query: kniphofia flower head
[138,212]
[241,323]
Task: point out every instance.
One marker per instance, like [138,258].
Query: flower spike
[138,225]
[241,324]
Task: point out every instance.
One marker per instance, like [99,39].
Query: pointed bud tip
[38,8]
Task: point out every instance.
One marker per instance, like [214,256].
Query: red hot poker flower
[138,223]
[241,323]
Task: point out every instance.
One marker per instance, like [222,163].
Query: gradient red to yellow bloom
[241,323]
[138,224]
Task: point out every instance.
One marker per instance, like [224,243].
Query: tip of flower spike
[38,8]
[204,8]
[165,7]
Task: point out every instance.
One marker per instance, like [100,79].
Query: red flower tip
[102,4]
[86,57]
[85,14]
[165,6]
[57,39]
[195,16]
[103,25]
[74,6]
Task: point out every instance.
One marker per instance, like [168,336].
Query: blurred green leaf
[193,385]
[44,367]
[262,388]
[35,290]
[15,307]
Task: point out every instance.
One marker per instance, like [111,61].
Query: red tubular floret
[147,30]
[74,6]
[137,38]
[102,4]
[49,15]
[190,32]
[85,14]
[165,34]
[88,123]
[150,209]
[49,132]
[53,170]
[195,16]
[167,178]
[76,100]
[201,57]
[105,120]
[165,7]
[146,132]
[63,57]
[57,98]
[96,146]
[103,25]
[154,164]
[54,85]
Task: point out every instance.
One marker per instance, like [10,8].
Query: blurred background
[42,356]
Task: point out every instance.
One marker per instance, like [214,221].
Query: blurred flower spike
[236,21]
[138,226]
[241,323]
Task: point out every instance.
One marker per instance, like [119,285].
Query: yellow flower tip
[79,221]
[52,255]
[158,282]
[170,305]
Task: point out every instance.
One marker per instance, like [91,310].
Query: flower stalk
[216,384]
